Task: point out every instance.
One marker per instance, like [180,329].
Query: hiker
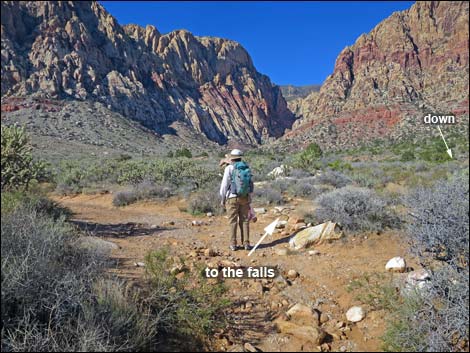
[235,190]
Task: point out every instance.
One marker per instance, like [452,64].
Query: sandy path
[143,227]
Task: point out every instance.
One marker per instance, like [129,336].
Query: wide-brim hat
[235,154]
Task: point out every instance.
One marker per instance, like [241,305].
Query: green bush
[307,158]
[340,165]
[192,309]
[407,156]
[75,175]
[18,167]
[184,152]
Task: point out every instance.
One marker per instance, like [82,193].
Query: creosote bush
[334,178]
[356,209]
[142,191]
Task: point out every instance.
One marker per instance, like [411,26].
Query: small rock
[282,252]
[260,210]
[314,252]
[324,318]
[418,275]
[342,349]
[296,220]
[396,264]
[355,314]
[209,214]
[139,264]
[281,224]
[292,274]
[299,226]
[210,252]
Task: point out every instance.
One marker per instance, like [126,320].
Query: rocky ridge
[412,63]
[78,51]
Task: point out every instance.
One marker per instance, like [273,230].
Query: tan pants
[237,209]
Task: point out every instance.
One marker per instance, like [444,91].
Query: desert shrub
[364,180]
[334,178]
[306,159]
[303,188]
[434,151]
[203,202]
[439,221]
[267,196]
[438,227]
[354,208]
[74,176]
[299,173]
[144,190]
[18,167]
[124,198]
[339,165]
[45,280]
[281,185]
[54,300]
[148,189]
[184,152]
[434,319]
[192,305]
[407,156]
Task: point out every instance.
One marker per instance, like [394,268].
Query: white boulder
[355,314]
[396,264]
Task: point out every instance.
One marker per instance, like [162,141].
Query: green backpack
[241,179]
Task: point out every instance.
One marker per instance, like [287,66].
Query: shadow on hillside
[119,230]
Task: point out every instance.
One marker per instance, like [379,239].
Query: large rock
[301,313]
[396,264]
[311,334]
[77,50]
[355,314]
[315,235]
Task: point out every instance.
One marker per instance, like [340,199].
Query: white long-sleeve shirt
[226,183]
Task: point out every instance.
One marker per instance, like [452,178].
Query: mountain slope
[412,63]
[76,50]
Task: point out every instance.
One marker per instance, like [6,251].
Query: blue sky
[291,42]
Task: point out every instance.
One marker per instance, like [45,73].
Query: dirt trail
[323,281]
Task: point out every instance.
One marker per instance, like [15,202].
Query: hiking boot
[233,247]
[248,247]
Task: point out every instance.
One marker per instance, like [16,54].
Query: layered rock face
[414,62]
[76,50]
